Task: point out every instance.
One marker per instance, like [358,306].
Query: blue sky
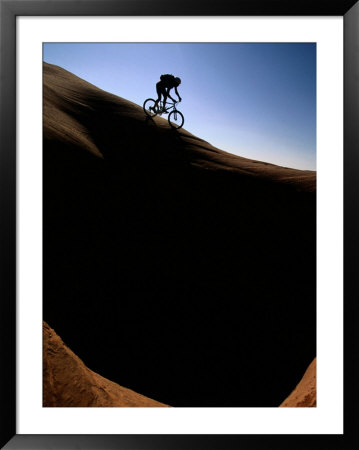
[253,100]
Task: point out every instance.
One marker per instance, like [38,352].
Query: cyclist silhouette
[163,87]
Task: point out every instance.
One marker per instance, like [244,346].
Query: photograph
[179,224]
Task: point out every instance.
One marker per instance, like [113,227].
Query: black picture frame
[9,10]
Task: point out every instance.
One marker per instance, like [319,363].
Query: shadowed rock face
[171,267]
[67,382]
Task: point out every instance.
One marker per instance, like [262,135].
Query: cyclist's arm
[169,95]
[179,97]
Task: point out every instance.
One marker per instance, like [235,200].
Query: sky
[256,100]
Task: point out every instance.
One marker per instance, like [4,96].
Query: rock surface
[305,393]
[67,382]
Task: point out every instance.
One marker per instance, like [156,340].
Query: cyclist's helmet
[178,81]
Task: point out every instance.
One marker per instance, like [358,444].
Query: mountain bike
[175,117]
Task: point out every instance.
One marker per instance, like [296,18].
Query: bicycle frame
[169,106]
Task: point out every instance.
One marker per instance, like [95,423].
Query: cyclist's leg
[165,95]
[159,92]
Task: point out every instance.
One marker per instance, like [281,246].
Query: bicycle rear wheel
[148,107]
[176,119]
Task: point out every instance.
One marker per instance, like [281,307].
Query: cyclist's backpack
[168,79]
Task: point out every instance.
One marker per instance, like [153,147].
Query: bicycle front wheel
[176,119]
[149,107]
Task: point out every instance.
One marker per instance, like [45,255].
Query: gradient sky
[253,100]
